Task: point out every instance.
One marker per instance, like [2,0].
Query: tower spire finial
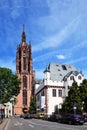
[23,27]
[23,35]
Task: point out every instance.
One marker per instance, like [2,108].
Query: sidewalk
[85,123]
[4,123]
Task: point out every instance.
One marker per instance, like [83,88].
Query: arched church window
[24,97]
[24,60]
[24,82]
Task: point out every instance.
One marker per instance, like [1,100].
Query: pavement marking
[16,124]
[53,127]
[31,125]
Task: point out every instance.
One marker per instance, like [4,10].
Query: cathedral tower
[24,70]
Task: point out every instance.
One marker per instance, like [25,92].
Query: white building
[51,92]
[6,109]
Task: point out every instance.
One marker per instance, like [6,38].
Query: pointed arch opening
[25,97]
[24,82]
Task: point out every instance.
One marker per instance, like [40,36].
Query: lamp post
[74,107]
[82,108]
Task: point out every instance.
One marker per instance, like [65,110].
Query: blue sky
[57,30]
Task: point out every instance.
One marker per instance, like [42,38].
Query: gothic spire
[23,35]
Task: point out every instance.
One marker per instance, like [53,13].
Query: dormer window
[60,74]
[79,77]
[72,78]
[64,67]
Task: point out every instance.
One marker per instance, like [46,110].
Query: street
[37,124]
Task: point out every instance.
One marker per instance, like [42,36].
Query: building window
[24,82]
[19,66]
[19,60]
[72,78]
[60,93]
[64,67]
[42,93]
[54,92]
[79,77]
[24,97]
[24,63]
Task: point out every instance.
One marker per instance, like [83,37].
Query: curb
[3,124]
[85,123]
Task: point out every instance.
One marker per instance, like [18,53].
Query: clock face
[24,55]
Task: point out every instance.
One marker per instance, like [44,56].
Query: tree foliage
[73,98]
[83,89]
[32,108]
[9,85]
[83,93]
[77,94]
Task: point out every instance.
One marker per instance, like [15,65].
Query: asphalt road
[37,124]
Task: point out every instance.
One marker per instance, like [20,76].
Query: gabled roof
[58,71]
[75,73]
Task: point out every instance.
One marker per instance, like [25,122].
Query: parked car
[46,117]
[58,117]
[26,116]
[32,115]
[85,117]
[22,116]
[72,119]
[40,115]
[55,117]
[52,117]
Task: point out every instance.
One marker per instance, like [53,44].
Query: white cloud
[60,57]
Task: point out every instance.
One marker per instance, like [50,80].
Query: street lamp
[82,108]
[74,107]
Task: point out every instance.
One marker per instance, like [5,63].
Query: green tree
[32,108]
[9,85]
[83,93]
[73,98]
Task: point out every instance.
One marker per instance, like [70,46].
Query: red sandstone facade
[25,72]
